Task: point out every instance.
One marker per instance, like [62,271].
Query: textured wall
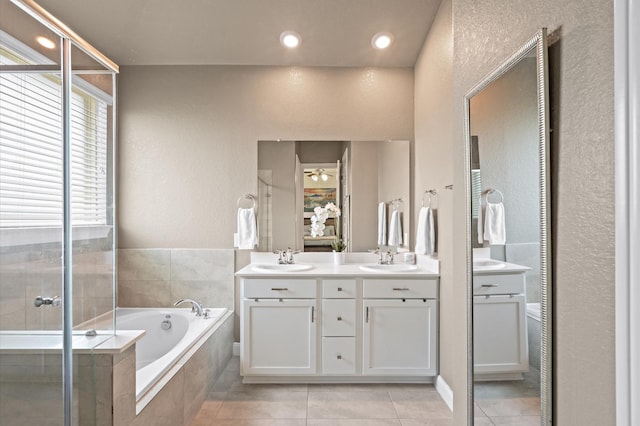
[187,138]
[582,179]
[434,170]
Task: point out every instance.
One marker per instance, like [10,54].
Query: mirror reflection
[345,180]
[506,242]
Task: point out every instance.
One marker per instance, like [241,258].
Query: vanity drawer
[399,288]
[280,288]
[338,355]
[339,289]
[338,318]
[498,284]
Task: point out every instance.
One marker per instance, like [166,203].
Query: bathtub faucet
[195,306]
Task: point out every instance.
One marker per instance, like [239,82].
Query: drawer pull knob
[339,288]
[401,289]
[489,285]
[279,289]
[339,318]
[339,357]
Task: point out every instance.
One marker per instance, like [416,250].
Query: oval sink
[400,267]
[273,268]
[488,264]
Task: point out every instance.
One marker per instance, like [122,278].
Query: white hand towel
[395,229]
[247,229]
[382,224]
[426,235]
[494,227]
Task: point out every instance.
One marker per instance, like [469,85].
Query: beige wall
[187,146]
[582,179]
[434,170]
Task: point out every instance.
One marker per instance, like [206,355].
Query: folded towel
[247,229]
[382,224]
[426,235]
[395,229]
[494,227]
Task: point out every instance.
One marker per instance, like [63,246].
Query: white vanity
[499,321]
[339,323]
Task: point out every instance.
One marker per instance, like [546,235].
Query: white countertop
[506,268]
[322,266]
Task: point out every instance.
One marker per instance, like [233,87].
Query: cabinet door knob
[339,357]
[339,318]
[489,285]
[339,288]
[401,289]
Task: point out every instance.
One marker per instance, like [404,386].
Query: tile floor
[509,402]
[232,403]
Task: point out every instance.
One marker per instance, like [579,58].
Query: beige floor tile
[250,387]
[517,421]
[353,422]
[432,422]
[420,404]
[477,411]
[264,405]
[253,422]
[347,387]
[350,405]
[524,406]
[482,421]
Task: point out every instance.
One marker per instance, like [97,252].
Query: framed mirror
[356,176]
[508,241]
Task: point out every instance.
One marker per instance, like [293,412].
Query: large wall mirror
[509,295]
[359,177]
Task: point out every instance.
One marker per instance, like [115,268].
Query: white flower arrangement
[321,214]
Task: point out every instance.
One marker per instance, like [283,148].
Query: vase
[339,257]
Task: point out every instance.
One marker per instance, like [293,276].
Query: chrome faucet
[195,306]
[384,257]
[285,257]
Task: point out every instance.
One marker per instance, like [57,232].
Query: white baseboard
[236,348]
[445,391]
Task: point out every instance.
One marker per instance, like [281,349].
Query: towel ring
[247,197]
[429,193]
[491,191]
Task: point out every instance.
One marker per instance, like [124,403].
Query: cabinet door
[499,334]
[278,337]
[400,337]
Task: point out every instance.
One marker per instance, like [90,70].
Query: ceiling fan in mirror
[317,174]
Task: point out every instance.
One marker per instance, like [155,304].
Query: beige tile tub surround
[159,277]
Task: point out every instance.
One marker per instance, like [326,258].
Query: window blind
[31,151]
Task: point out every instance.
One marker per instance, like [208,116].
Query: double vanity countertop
[321,265]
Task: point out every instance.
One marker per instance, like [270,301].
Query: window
[31,149]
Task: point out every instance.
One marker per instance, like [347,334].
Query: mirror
[508,228]
[360,176]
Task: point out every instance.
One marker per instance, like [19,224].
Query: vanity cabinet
[279,327]
[399,327]
[338,329]
[499,326]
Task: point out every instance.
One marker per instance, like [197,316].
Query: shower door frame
[71,39]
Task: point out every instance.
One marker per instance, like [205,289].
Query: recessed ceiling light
[290,39]
[382,40]
[45,42]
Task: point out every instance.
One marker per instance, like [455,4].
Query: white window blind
[31,151]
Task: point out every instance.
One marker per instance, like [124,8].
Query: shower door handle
[53,301]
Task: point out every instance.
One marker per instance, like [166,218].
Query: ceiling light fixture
[324,176]
[382,40]
[290,39]
[314,178]
[45,42]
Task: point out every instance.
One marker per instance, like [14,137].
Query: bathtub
[533,333]
[171,333]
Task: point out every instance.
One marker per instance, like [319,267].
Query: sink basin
[485,264]
[400,267]
[274,268]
